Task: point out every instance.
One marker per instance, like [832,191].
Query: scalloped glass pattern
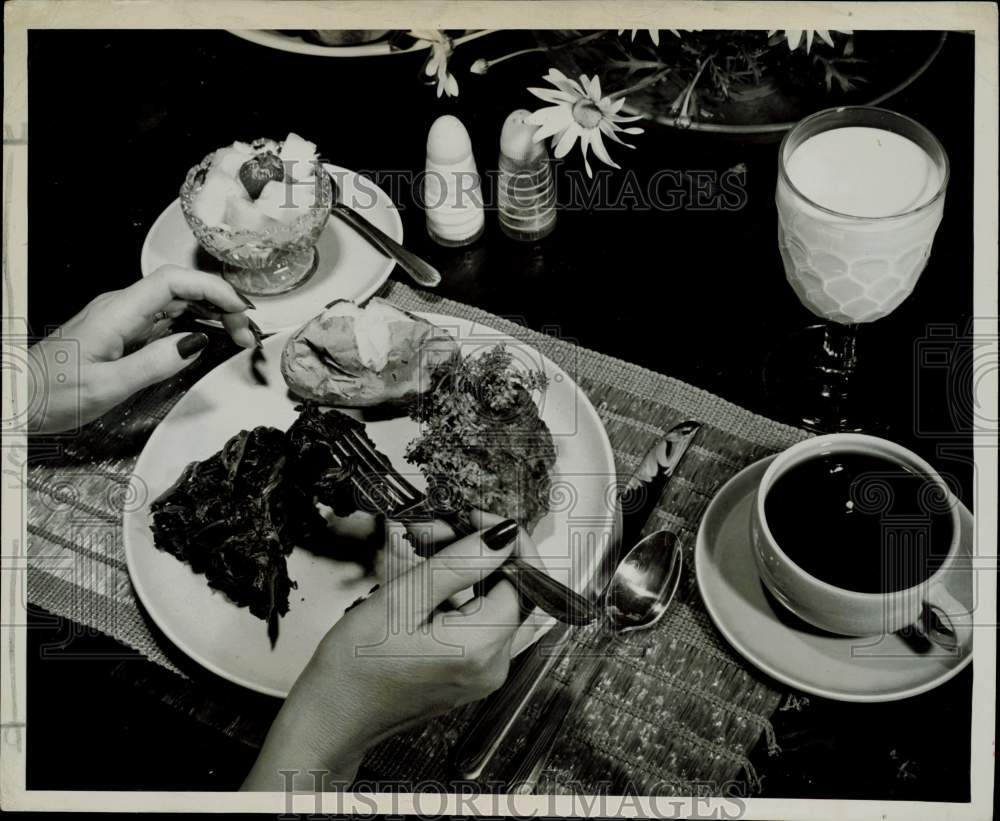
[261,262]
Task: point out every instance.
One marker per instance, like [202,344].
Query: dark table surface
[117,118]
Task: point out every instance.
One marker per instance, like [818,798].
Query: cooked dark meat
[317,465]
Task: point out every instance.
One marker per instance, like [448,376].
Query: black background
[117,118]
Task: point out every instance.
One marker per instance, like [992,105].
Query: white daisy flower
[654,34]
[579,110]
[794,36]
[437,63]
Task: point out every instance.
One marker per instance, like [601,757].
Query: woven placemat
[677,716]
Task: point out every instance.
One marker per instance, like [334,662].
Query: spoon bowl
[639,593]
[644,583]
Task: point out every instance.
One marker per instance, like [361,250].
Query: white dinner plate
[231,642]
[348,267]
[273,38]
[883,668]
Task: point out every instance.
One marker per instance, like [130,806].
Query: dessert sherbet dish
[259,208]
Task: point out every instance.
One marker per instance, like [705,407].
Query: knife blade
[496,715]
[644,489]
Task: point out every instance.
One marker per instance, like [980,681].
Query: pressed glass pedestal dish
[265,262]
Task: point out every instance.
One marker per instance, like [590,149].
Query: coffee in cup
[855,534]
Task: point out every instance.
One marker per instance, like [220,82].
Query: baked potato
[361,357]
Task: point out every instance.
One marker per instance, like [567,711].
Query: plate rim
[272,38]
[163,625]
[145,267]
[701,562]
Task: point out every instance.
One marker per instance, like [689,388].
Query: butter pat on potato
[361,357]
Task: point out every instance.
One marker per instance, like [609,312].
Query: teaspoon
[421,271]
[639,593]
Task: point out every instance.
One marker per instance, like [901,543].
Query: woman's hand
[118,344]
[393,660]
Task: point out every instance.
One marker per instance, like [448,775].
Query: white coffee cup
[928,605]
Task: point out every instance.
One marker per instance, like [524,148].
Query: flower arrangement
[705,67]
[700,67]
[604,79]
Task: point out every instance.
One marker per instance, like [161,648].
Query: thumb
[458,566]
[150,364]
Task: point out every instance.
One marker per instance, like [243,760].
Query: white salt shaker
[526,196]
[453,198]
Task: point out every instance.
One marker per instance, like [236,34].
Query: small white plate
[883,668]
[273,38]
[348,268]
[231,642]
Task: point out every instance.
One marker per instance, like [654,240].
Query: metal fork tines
[387,491]
[381,484]
[203,309]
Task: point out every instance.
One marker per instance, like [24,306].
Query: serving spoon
[421,271]
[639,593]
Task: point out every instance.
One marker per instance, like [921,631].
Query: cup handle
[945,621]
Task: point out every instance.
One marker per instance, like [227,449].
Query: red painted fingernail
[191,344]
[500,535]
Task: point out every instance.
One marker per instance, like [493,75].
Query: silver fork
[388,492]
[203,309]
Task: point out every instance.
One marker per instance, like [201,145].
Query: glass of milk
[860,195]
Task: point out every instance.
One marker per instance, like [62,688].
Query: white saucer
[348,267]
[882,668]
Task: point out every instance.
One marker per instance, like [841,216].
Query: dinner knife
[497,714]
[642,493]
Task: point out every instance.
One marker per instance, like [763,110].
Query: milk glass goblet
[853,244]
